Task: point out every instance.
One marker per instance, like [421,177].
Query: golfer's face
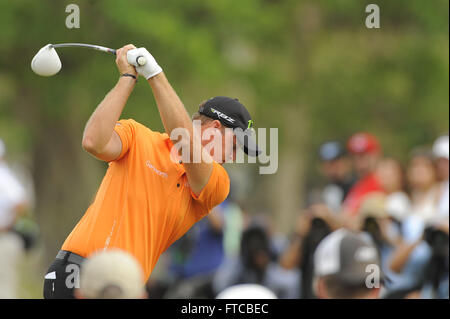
[220,142]
[225,140]
[230,148]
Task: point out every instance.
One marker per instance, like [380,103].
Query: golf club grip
[140,60]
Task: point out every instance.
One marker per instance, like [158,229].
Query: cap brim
[247,142]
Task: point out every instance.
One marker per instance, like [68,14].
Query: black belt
[71,257]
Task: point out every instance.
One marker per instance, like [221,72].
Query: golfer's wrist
[127,80]
[157,79]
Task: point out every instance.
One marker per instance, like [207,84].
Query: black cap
[331,150]
[231,113]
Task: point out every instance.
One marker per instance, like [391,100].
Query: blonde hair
[200,117]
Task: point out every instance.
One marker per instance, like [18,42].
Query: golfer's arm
[174,115]
[99,137]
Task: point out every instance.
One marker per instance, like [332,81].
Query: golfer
[149,196]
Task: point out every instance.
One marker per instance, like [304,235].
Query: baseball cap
[363,143]
[231,113]
[373,205]
[111,274]
[330,151]
[346,255]
[441,147]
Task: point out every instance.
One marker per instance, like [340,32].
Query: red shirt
[359,191]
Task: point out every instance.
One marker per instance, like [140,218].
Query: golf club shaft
[140,60]
[92,46]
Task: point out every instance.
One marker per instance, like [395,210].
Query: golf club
[47,63]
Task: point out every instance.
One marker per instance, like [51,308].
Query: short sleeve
[126,131]
[216,190]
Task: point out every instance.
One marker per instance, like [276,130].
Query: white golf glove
[150,68]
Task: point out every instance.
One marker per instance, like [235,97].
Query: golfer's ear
[216,124]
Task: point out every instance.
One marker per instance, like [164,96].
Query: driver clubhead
[46,62]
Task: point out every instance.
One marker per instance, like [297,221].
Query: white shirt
[398,205]
[443,204]
[12,194]
[427,207]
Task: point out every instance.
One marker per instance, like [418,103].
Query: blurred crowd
[371,211]
[399,209]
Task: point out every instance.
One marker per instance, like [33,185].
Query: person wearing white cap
[111,274]
[347,266]
[441,154]
[247,291]
[12,203]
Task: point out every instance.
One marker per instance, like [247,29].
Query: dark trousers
[63,276]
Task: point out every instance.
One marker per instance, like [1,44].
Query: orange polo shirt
[144,202]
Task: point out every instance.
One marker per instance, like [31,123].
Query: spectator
[422,259]
[196,257]
[385,233]
[376,221]
[111,274]
[441,155]
[336,168]
[436,275]
[234,220]
[257,265]
[366,154]
[246,291]
[312,226]
[414,258]
[423,184]
[12,204]
[341,264]
[393,181]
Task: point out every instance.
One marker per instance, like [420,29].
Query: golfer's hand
[150,68]
[122,62]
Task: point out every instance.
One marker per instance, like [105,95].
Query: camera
[372,227]
[437,239]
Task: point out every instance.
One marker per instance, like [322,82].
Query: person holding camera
[422,258]
[312,225]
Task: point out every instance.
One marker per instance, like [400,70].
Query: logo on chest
[155,170]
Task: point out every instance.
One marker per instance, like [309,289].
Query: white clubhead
[46,62]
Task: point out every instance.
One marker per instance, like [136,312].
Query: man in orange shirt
[151,194]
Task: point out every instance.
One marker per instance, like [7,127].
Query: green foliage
[312,64]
